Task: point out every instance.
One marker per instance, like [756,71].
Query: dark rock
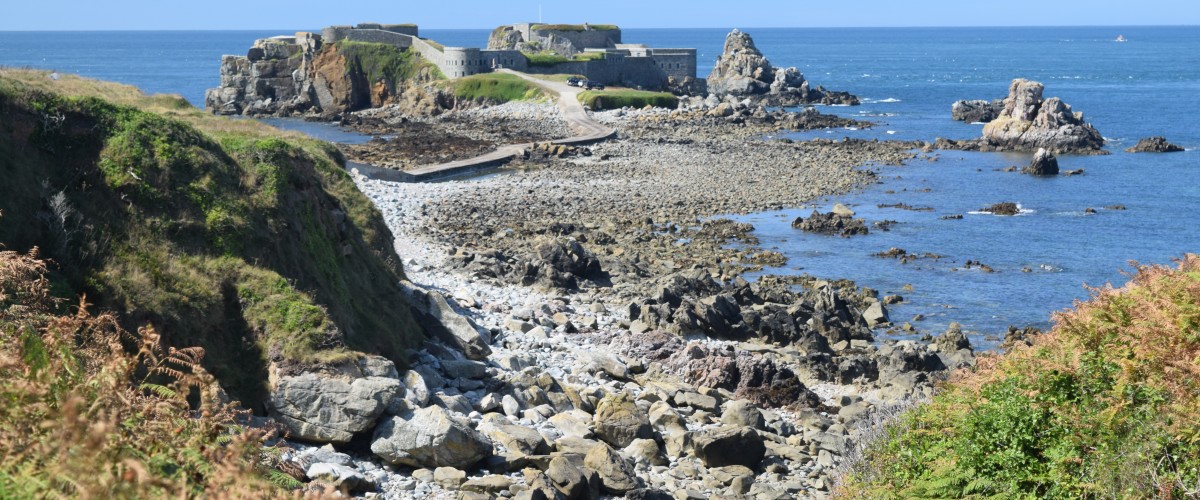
[1003,208]
[976,111]
[832,224]
[1157,144]
[1044,163]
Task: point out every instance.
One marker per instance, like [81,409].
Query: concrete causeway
[586,129]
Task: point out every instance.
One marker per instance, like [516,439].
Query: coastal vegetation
[495,87]
[221,234]
[387,63]
[94,411]
[1104,405]
[620,98]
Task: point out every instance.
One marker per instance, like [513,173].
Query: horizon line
[652,28]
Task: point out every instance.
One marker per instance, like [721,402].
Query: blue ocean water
[908,78]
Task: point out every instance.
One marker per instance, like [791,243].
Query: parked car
[575,81]
[590,85]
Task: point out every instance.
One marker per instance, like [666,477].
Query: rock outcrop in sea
[1029,122]
[1157,144]
[1044,163]
[743,71]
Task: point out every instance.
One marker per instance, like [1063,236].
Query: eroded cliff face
[310,78]
[743,71]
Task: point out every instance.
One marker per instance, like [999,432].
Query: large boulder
[618,420]
[430,438]
[743,71]
[1029,122]
[516,439]
[1044,163]
[332,408]
[729,446]
[616,473]
[574,483]
[1157,144]
[439,318]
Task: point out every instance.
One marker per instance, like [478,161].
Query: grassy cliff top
[1106,405]
[222,233]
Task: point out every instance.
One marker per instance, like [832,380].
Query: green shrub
[172,225]
[621,98]
[1105,405]
[496,87]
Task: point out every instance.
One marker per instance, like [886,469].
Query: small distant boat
[1121,38]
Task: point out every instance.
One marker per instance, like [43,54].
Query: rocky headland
[742,71]
[1029,122]
[304,76]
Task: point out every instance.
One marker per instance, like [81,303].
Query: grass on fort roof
[438,46]
[545,59]
[621,97]
[574,27]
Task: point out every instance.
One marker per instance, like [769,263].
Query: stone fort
[597,54]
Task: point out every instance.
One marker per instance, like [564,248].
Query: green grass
[620,98]
[382,62]
[1104,406]
[548,59]
[225,234]
[573,27]
[496,87]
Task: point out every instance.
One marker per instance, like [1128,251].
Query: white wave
[851,128]
[891,132]
[890,99]
[978,123]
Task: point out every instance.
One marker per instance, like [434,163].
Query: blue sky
[309,14]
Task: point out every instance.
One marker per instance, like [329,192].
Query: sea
[1041,261]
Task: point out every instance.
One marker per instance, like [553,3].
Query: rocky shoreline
[618,351]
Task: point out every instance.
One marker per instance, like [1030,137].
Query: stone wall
[677,63]
[580,40]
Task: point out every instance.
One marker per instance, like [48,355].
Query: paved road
[586,129]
